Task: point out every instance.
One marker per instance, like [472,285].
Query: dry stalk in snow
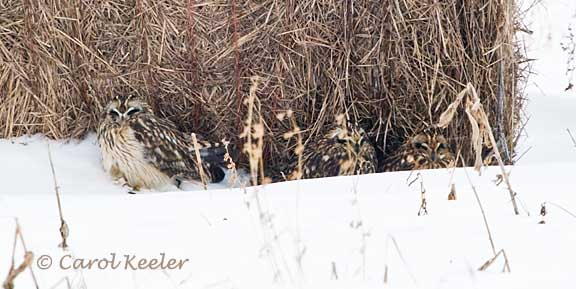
[571,137]
[542,213]
[231,165]
[64,230]
[199,161]
[13,271]
[496,254]
[543,209]
[395,243]
[491,261]
[423,204]
[481,132]
[452,194]
[299,149]
[254,134]
[358,224]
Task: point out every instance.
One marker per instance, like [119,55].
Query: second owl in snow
[428,149]
[145,151]
[344,150]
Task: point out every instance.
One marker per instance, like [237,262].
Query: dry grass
[13,271]
[64,229]
[393,66]
[199,161]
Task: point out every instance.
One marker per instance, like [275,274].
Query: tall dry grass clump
[393,66]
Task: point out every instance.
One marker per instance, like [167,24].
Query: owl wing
[324,160]
[170,150]
[369,162]
[400,161]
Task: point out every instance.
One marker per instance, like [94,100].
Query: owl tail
[212,154]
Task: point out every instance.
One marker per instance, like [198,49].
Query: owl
[427,150]
[343,151]
[147,152]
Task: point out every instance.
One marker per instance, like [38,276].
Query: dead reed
[13,271]
[393,66]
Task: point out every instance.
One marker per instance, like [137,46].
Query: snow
[345,232]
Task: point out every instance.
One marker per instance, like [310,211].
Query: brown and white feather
[342,151]
[147,151]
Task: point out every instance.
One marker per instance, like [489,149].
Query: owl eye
[114,113]
[132,111]
[442,146]
[341,141]
[420,145]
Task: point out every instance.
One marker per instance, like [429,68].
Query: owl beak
[434,157]
[357,147]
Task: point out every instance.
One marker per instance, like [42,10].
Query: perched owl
[427,150]
[145,151]
[342,151]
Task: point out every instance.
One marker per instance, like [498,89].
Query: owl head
[351,136]
[431,150]
[124,107]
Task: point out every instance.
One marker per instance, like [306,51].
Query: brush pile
[393,66]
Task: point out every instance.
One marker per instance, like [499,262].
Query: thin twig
[490,238]
[26,264]
[562,208]
[571,137]
[64,230]
[483,212]
[199,161]
[395,243]
[488,263]
[423,204]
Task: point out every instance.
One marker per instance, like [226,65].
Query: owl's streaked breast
[123,157]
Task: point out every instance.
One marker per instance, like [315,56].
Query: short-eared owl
[344,150]
[146,151]
[427,150]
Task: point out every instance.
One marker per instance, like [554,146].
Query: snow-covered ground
[347,232]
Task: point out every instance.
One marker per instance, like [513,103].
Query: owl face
[431,150]
[122,108]
[354,138]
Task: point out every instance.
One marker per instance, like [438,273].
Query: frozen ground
[333,233]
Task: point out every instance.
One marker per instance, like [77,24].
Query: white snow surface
[344,232]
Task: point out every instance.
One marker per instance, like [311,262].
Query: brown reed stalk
[199,161]
[254,134]
[64,229]
[481,129]
[490,237]
[14,272]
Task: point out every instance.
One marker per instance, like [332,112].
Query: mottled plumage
[426,150]
[146,151]
[342,151]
